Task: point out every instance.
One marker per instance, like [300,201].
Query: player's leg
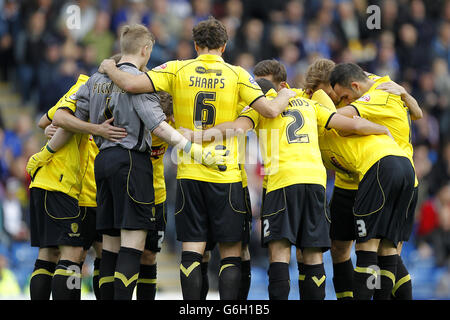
[226,213]
[301,270]
[387,262]
[245,252]
[312,238]
[230,270]
[342,269]
[190,270]
[146,283]
[402,289]
[204,268]
[365,276]
[48,256]
[342,234]
[128,263]
[397,178]
[97,245]
[191,223]
[66,284]
[279,257]
[246,274]
[110,250]
[41,278]
[313,278]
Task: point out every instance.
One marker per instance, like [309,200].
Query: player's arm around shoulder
[133,83]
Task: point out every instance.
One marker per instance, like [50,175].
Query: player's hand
[106,65]
[287,92]
[187,133]
[110,132]
[392,88]
[50,130]
[211,156]
[38,160]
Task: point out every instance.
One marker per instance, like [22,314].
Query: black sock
[146,283]
[95,278]
[41,280]
[205,280]
[343,280]
[365,276]
[229,278]
[106,274]
[314,282]
[191,275]
[66,283]
[301,274]
[127,273]
[279,283]
[402,288]
[246,277]
[388,270]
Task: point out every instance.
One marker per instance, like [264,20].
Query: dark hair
[271,68]
[210,34]
[265,85]
[345,73]
[166,103]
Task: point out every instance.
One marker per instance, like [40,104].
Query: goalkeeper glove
[39,159]
[213,157]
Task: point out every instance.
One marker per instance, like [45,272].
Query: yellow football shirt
[389,110]
[351,157]
[289,143]
[64,172]
[88,194]
[206,91]
[159,148]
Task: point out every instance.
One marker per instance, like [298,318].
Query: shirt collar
[126,64]
[210,57]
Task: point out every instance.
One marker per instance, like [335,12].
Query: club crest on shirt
[365,98]
[161,67]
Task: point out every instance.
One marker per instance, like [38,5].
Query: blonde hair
[135,37]
[318,72]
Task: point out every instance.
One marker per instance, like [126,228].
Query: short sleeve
[82,102]
[369,104]
[148,109]
[323,115]
[249,90]
[321,97]
[252,114]
[163,76]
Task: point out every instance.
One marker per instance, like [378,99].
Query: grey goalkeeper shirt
[100,99]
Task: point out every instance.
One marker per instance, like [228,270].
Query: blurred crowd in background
[41,57]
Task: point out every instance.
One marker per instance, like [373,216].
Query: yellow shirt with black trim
[88,194]
[352,156]
[67,167]
[289,142]
[319,96]
[206,91]
[389,110]
[159,148]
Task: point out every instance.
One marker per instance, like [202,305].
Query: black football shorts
[209,212]
[383,201]
[125,194]
[55,219]
[297,213]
